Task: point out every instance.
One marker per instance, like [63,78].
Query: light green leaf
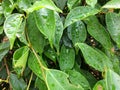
[4,48]
[43,4]
[78,79]
[72,3]
[7,7]
[95,58]
[1,29]
[100,85]
[112,80]
[37,39]
[21,32]
[97,31]
[45,21]
[77,32]
[112,4]
[58,80]
[35,66]
[58,31]
[19,59]
[67,58]
[79,13]
[60,3]
[113,26]
[11,27]
[91,2]
[17,84]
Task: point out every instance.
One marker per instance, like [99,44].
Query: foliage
[59,44]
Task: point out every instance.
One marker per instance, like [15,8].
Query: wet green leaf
[91,2]
[77,32]
[11,27]
[37,39]
[67,58]
[17,84]
[45,21]
[43,4]
[97,31]
[58,31]
[58,80]
[112,4]
[79,13]
[72,3]
[19,59]
[113,26]
[78,79]
[95,59]
[4,48]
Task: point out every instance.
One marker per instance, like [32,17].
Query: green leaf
[11,27]
[43,4]
[35,66]
[113,26]
[58,31]
[77,32]
[58,80]
[95,58]
[7,7]
[100,85]
[37,40]
[17,84]
[72,3]
[97,31]
[112,80]
[78,79]
[45,21]
[20,58]
[60,3]
[21,33]
[40,84]
[112,4]
[91,2]
[79,13]
[4,48]
[67,58]
[1,29]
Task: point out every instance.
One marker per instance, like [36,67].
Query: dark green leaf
[77,32]
[113,26]
[1,29]
[96,30]
[60,3]
[17,84]
[20,58]
[4,48]
[79,13]
[45,21]
[11,27]
[97,60]
[43,4]
[67,58]
[78,79]
[72,3]
[58,80]
[40,84]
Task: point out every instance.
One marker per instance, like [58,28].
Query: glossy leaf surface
[91,2]
[79,13]
[66,63]
[95,59]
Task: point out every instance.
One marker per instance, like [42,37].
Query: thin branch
[30,81]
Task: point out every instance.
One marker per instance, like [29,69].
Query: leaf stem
[30,81]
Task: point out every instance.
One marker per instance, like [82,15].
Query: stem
[30,81]
[7,69]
